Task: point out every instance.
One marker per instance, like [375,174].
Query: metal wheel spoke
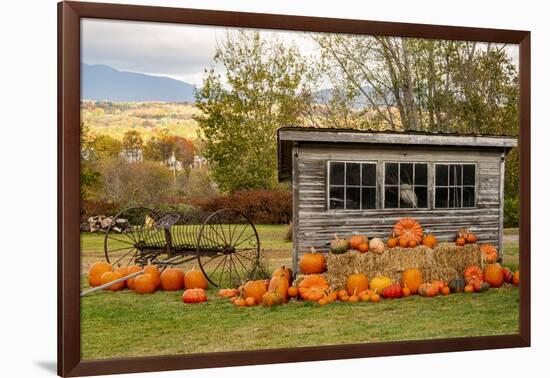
[220,225]
[240,262]
[212,258]
[223,268]
[123,256]
[119,249]
[248,238]
[214,229]
[236,270]
[120,240]
[217,266]
[244,257]
[242,232]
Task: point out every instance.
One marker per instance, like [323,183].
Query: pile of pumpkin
[171,279]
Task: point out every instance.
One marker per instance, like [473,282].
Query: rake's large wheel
[132,237]
[228,248]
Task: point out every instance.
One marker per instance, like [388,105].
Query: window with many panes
[405,185]
[352,185]
[455,185]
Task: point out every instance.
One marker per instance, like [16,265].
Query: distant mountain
[100,82]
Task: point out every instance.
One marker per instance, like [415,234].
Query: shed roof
[287,136]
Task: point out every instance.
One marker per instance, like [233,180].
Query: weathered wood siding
[315,225]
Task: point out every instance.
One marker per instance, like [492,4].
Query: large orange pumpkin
[123,270]
[195,279]
[96,271]
[145,284]
[472,273]
[494,275]
[408,229]
[356,240]
[172,279]
[111,276]
[357,283]
[130,283]
[194,296]
[312,263]
[285,272]
[255,289]
[313,288]
[154,271]
[280,286]
[412,278]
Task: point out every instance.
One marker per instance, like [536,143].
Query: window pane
[391,174]
[421,174]
[455,197]
[353,199]
[407,196]
[369,174]
[468,196]
[469,174]
[336,173]
[441,197]
[441,175]
[455,175]
[353,174]
[390,197]
[336,198]
[369,198]
[406,173]
[421,196]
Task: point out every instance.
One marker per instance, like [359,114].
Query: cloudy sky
[178,51]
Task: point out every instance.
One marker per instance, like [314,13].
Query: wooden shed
[346,181]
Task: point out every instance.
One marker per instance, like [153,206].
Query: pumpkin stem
[313,249]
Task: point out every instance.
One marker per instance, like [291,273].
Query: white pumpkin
[376,245]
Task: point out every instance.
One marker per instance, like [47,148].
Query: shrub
[261,206]
[511,212]
[89,208]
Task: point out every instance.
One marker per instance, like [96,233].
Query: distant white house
[132,156]
[173,164]
[198,162]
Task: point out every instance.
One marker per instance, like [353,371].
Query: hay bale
[445,262]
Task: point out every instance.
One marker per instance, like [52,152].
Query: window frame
[360,186]
[383,184]
[475,186]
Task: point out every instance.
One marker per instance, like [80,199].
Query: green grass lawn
[125,324]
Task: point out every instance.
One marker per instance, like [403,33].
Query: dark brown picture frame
[69,16]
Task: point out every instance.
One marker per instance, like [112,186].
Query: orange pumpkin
[412,279]
[239,302]
[285,272]
[270,299]
[111,276]
[515,279]
[471,273]
[428,290]
[251,301]
[445,291]
[363,247]
[292,292]
[490,252]
[357,283]
[403,243]
[255,289]
[172,279]
[313,287]
[468,289]
[356,240]
[392,242]
[145,284]
[440,284]
[341,293]
[228,293]
[96,271]
[429,241]
[130,281]
[279,284]
[494,275]
[123,270]
[406,292]
[194,296]
[375,298]
[412,243]
[460,242]
[312,263]
[195,279]
[471,238]
[154,272]
[408,229]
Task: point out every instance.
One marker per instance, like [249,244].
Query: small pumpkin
[228,293]
[251,301]
[515,278]
[279,284]
[429,241]
[172,279]
[471,238]
[196,295]
[363,247]
[484,287]
[406,292]
[379,283]
[508,275]
[285,272]
[472,272]
[445,290]
[393,291]
[130,281]
[111,276]
[468,289]
[313,287]
[195,279]
[428,290]
[489,252]
[460,242]
[457,285]
[408,229]
[338,246]
[123,270]
[357,283]
[403,243]
[392,242]
[412,278]
[270,299]
[145,284]
[375,298]
[292,291]
[240,302]
[312,263]
[356,240]
[494,275]
[440,284]
[96,271]
[255,289]
[154,271]
[376,245]
[341,293]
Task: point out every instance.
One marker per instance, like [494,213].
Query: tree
[106,146]
[132,143]
[262,89]
[90,178]
[161,147]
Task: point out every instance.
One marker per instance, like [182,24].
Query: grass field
[123,324]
